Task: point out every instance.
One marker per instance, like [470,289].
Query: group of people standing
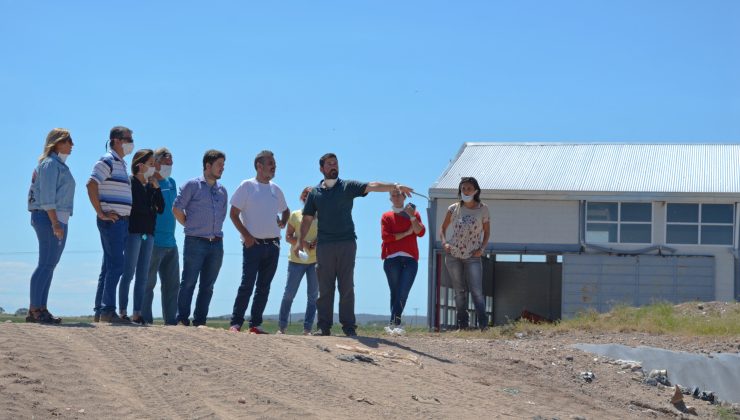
[137,215]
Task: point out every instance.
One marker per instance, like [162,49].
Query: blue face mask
[467,198]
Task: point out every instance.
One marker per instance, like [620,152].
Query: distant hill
[362,319]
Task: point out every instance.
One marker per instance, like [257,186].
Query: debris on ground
[356,357]
[628,365]
[677,401]
[361,399]
[588,376]
[392,356]
[658,376]
[534,318]
[425,400]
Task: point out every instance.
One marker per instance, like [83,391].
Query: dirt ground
[103,371]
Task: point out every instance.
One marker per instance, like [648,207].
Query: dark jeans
[401,272]
[259,263]
[166,262]
[202,259]
[335,267]
[113,237]
[50,251]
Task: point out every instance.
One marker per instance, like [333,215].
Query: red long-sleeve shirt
[392,223]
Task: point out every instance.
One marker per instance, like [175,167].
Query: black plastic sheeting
[719,373]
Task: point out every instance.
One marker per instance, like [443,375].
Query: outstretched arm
[387,187]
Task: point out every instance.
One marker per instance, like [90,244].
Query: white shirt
[260,206]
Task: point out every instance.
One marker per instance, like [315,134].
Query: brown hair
[141,156]
[55,136]
[211,156]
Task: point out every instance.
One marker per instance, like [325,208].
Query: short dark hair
[469,180]
[141,156]
[261,155]
[119,131]
[325,157]
[211,156]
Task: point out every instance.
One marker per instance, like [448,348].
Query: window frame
[699,224]
[619,222]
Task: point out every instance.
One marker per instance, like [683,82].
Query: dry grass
[687,319]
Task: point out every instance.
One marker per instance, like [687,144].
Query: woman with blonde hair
[50,201]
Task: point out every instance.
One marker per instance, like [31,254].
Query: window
[705,224]
[629,223]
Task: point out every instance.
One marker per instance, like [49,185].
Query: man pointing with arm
[336,243]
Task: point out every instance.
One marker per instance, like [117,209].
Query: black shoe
[184,322]
[138,320]
[323,332]
[350,332]
[49,317]
[113,318]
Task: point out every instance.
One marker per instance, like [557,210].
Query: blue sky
[393,88]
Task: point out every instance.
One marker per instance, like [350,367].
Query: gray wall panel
[603,281]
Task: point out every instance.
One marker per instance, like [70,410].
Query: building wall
[528,221]
[557,222]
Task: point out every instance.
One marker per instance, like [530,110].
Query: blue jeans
[50,251]
[136,259]
[166,262]
[113,237]
[467,276]
[203,259]
[401,272]
[99,292]
[295,274]
[259,263]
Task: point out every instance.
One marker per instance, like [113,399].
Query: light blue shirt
[164,230]
[204,206]
[52,186]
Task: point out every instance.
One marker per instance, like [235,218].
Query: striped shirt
[114,188]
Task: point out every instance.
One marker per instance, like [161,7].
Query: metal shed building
[578,226]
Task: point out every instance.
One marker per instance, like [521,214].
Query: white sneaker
[281,331]
[388,329]
[399,331]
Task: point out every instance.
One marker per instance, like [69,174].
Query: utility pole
[416,312]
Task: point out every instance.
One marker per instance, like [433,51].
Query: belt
[267,240]
[200,238]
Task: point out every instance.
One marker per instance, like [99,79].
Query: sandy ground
[103,371]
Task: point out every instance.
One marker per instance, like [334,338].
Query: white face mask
[63,156]
[128,148]
[396,209]
[165,171]
[149,172]
[467,198]
[330,182]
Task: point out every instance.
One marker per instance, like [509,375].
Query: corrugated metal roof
[600,167]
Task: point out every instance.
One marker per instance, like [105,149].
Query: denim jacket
[52,186]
